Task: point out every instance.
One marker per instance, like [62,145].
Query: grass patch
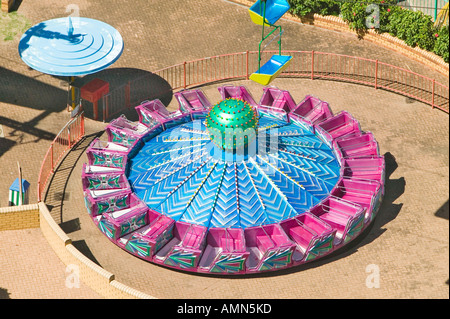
[12,24]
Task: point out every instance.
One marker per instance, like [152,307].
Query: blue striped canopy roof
[70,46]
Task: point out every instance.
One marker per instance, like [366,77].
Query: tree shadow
[5,145]
[442,212]
[128,87]
[18,89]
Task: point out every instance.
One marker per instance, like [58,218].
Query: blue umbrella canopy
[63,47]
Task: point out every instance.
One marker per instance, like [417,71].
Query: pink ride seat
[301,236]
[264,242]
[367,167]
[342,124]
[360,145]
[313,110]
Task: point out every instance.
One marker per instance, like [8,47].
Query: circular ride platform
[274,185]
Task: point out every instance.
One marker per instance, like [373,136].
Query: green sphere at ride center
[232,124]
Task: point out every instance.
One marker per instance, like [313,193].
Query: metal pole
[68,136]
[432,94]
[73,92]
[51,156]
[279,41]
[435,9]
[262,37]
[82,124]
[376,74]
[246,65]
[20,185]
[184,74]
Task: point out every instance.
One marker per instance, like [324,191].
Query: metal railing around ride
[305,64]
[67,137]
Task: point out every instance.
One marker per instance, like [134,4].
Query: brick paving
[409,238]
[27,273]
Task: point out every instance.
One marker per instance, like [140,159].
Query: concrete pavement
[408,241]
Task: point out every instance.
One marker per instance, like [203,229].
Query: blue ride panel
[271,69]
[275,9]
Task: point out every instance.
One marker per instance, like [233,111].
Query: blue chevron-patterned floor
[225,212]
[252,208]
[175,174]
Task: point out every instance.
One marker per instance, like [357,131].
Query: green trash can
[14,193]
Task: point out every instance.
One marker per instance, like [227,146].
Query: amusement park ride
[235,187]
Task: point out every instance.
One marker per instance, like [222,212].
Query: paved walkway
[409,238]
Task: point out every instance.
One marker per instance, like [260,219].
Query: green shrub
[387,14]
[413,27]
[360,15]
[303,8]
[442,42]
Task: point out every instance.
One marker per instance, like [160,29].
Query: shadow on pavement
[18,89]
[128,87]
[70,226]
[57,191]
[16,5]
[4,294]
[442,212]
[84,249]
[5,145]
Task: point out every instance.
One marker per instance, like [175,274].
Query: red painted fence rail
[69,135]
[305,64]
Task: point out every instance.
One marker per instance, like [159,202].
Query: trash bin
[14,193]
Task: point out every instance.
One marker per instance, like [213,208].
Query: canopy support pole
[72,79]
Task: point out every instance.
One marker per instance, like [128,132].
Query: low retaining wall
[384,39]
[7,5]
[94,276]
[19,217]
[91,274]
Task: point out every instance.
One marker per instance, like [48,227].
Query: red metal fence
[305,64]
[69,135]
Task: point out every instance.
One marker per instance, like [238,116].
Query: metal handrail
[50,156]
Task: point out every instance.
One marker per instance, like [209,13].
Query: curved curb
[98,279]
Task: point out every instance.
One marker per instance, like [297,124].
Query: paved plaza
[408,242]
